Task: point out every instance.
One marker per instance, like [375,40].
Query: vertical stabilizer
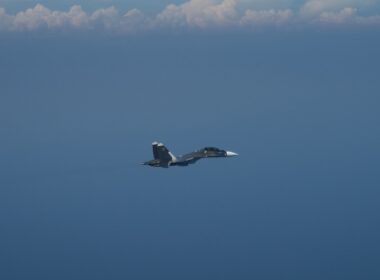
[155,150]
[162,153]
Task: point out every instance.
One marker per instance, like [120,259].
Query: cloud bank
[192,14]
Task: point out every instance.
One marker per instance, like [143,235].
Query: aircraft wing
[188,158]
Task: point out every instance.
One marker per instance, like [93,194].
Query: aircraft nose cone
[231,154]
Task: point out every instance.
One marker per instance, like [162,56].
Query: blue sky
[82,99]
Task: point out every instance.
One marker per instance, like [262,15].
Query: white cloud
[107,18]
[134,20]
[312,8]
[369,20]
[42,17]
[343,16]
[315,7]
[198,14]
[347,16]
[266,17]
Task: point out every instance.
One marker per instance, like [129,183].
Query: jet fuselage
[164,158]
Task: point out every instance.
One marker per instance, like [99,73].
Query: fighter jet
[164,158]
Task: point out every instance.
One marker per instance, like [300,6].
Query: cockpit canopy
[212,149]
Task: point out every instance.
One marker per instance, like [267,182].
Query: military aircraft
[164,158]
